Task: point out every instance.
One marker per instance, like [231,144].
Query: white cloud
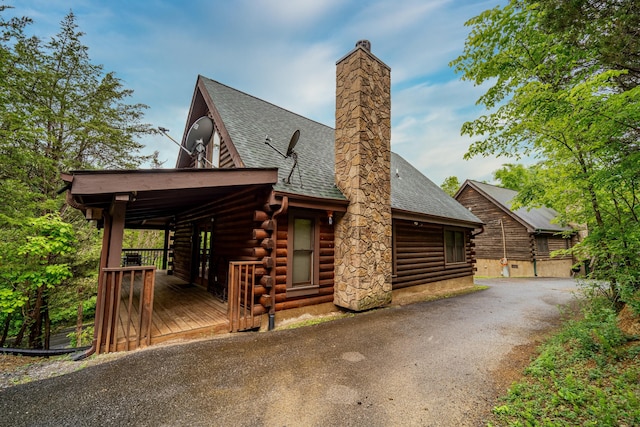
[285,52]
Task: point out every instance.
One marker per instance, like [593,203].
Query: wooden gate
[242,308]
[129,327]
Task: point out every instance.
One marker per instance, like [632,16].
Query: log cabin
[516,242]
[279,215]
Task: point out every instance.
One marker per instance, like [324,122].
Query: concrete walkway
[424,364]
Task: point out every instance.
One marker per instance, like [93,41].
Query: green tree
[514,176]
[554,95]
[451,185]
[58,112]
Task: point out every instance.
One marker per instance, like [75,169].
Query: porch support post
[165,249]
[110,256]
[116,235]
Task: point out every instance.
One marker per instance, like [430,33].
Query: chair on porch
[132,259]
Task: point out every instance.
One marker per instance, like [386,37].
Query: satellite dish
[293,142]
[200,131]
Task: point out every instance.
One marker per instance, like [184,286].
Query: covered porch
[139,305]
[181,310]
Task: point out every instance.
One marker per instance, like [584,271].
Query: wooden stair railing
[109,334]
[242,307]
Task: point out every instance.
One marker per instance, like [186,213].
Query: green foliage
[451,185]
[585,375]
[556,94]
[33,263]
[143,239]
[514,176]
[85,338]
[58,112]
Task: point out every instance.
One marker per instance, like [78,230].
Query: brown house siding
[490,243]
[233,226]
[419,255]
[182,250]
[226,161]
[326,263]
[554,243]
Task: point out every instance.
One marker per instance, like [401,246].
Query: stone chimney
[363,173]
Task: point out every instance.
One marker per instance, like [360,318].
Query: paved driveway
[424,364]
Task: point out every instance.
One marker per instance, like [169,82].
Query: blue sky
[284,51]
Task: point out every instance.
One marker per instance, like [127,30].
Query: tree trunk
[35,332]
[5,329]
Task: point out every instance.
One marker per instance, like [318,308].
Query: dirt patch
[628,321]
[512,366]
[16,370]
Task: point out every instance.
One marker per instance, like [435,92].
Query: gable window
[213,151]
[454,245]
[303,271]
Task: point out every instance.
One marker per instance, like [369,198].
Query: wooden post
[165,251]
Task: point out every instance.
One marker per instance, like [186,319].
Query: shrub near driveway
[588,375]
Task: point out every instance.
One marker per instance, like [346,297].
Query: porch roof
[154,196]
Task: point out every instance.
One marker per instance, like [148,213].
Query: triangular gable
[534,220]
[244,122]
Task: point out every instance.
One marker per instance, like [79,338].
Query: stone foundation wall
[363,161]
[543,268]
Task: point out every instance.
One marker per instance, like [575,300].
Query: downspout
[535,260]
[503,261]
[272,292]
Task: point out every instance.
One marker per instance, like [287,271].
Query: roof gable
[535,219]
[249,120]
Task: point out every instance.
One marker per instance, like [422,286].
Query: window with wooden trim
[303,244]
[454,246]
[542,245]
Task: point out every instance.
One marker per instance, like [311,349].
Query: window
[302,252]
[542,245]
[213,151]
[454,244]
[304,266]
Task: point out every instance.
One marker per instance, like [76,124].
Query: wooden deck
[180,311]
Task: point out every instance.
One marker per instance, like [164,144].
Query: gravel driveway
[438,363]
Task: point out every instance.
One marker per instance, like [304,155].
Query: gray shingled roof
[536,218]
[413,192]
[249,120]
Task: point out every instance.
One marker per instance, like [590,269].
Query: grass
[587,375]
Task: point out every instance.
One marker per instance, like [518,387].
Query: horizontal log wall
[326,259]
[226,161]
[489,244]
[419,255]
[232,234]
[555,243]
[182,251]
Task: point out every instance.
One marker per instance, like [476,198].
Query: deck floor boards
[179,309]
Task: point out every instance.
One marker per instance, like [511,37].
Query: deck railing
[242,279]
[137,297]
[143,256]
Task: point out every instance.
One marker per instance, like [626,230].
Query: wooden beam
[104,182]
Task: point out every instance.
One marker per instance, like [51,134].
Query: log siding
[492,242]
[419,255]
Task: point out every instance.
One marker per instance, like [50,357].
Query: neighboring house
[519,242]
[334,220]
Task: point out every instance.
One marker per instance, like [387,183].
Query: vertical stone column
[362,173]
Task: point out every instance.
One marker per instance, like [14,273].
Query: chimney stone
[363,257]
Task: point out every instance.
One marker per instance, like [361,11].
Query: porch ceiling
[156,195]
